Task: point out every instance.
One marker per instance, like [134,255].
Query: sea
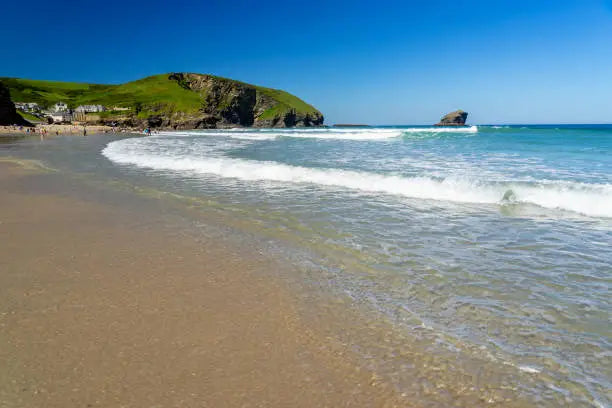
[486,250]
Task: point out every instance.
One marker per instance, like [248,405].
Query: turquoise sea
[486,243]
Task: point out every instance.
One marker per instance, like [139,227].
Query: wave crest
[588,199]
[363,134]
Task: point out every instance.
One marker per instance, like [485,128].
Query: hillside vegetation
[178,100]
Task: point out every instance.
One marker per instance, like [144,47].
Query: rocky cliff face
[226,103]
[456,118]
[8,113]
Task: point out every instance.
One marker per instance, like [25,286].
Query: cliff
[8,113]
[175,100]
[227,102]
[456,118]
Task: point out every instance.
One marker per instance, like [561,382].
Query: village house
[90,109]
[28,106]
[60,107]
[61,117]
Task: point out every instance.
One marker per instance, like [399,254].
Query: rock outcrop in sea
[8,113]
[456,118]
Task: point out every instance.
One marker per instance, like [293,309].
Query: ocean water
[487,243]
[497,237]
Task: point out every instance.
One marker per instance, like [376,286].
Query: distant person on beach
[84,131]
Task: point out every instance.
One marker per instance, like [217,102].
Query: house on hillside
[90,109]
[61,117]
[33,107]
[28,106]
[60,107]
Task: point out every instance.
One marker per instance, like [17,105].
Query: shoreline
[59,130]
[104,305]
[398,357]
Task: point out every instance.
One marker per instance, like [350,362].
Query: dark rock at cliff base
[227,103]
[8,113]
[456,118]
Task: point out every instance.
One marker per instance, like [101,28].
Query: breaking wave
[322,133]
[587,199]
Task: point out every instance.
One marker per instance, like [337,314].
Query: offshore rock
[456,118]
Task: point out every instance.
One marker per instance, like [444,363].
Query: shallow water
[479,244]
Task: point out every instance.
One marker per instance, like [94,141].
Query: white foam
[321,133]
[529,370]
[587,199]
[524,368]
[470,129]
[432,129]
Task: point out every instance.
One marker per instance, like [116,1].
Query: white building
[90,108]
[61,117]
[28,106]
[60,107]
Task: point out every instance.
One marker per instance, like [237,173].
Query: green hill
[178,100]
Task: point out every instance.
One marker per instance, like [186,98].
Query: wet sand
[104,305]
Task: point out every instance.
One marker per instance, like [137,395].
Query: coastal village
[61,113]
[53,119]
[51,122]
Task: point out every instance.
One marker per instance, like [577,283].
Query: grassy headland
[174,100]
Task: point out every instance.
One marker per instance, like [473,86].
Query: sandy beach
[129,286]
[103,305]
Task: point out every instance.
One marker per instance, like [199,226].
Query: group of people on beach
[72,129]
[61,129]
[41,131]
[148,131]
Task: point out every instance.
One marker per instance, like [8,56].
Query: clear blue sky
[378,62]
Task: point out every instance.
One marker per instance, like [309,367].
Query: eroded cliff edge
[226,102]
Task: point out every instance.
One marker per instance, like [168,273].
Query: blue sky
[382,62]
